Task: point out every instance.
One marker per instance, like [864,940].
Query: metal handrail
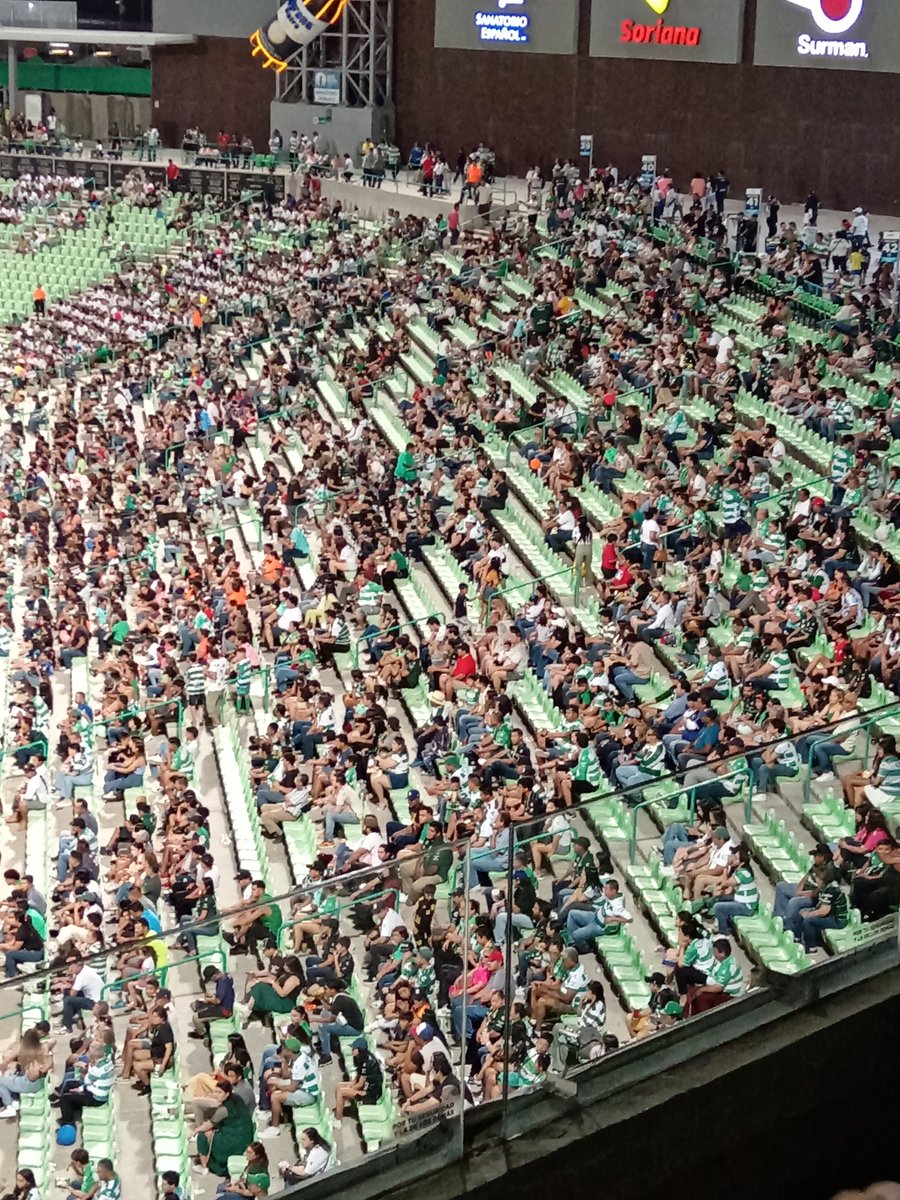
[355,646]
[690,790]
[864,725]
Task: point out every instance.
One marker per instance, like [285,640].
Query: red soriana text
[660,34]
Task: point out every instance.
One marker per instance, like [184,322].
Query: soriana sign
[680,30]
[855,35]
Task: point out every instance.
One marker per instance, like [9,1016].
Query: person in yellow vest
[40,301]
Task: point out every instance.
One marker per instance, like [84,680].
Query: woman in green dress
[227,1133]
[275,992]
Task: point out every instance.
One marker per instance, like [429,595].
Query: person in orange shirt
[271,569]
[197,324]
[237,593]
[40,301]
[473,179]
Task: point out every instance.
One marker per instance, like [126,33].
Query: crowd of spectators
[735,621]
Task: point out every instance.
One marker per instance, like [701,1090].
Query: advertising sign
[848,35]
[677,30]
[586,145]
[296,24]
[523,26]
[752,202]
[327,87]
[890,246]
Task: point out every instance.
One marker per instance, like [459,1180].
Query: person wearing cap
[367,1085]
[413,1062]
[300,1089]
[405,835]
[791,899]
[217,1005]
[830,911]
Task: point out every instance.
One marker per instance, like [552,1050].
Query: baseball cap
[657,977]
[292,1044]
[359,1043]
[673,1009]
[721,832]
[426,952]
[243,875]
[424,1032]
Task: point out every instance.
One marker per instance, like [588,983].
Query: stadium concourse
[357,570]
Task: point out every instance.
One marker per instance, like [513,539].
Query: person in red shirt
[463,669]
[453,224]
[172,174]
[609,558]
[427,187]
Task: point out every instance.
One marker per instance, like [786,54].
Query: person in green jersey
[739,892]
[830,912]
[724,982]
[242,679]
[260,921]
[405,469]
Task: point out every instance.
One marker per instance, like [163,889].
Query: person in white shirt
[316,1158]
[509,659]
[650,539]
[725,348]
[340,805]
[85,992]
[663,621]
[697,878]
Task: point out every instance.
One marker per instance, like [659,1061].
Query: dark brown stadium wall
[214,84]
[783,129]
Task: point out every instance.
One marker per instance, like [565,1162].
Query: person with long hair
[875,890]
[315,1160]
[25,1187]
[253,1181]
[228,1132]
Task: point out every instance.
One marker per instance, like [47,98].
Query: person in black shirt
[365,1088]
[23,944]
[513,763]
[424,915]
[340,1018]
[156,1058]
[335,968]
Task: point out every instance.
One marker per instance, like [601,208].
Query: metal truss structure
[359,46]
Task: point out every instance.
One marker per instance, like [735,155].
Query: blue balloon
[66,1135]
